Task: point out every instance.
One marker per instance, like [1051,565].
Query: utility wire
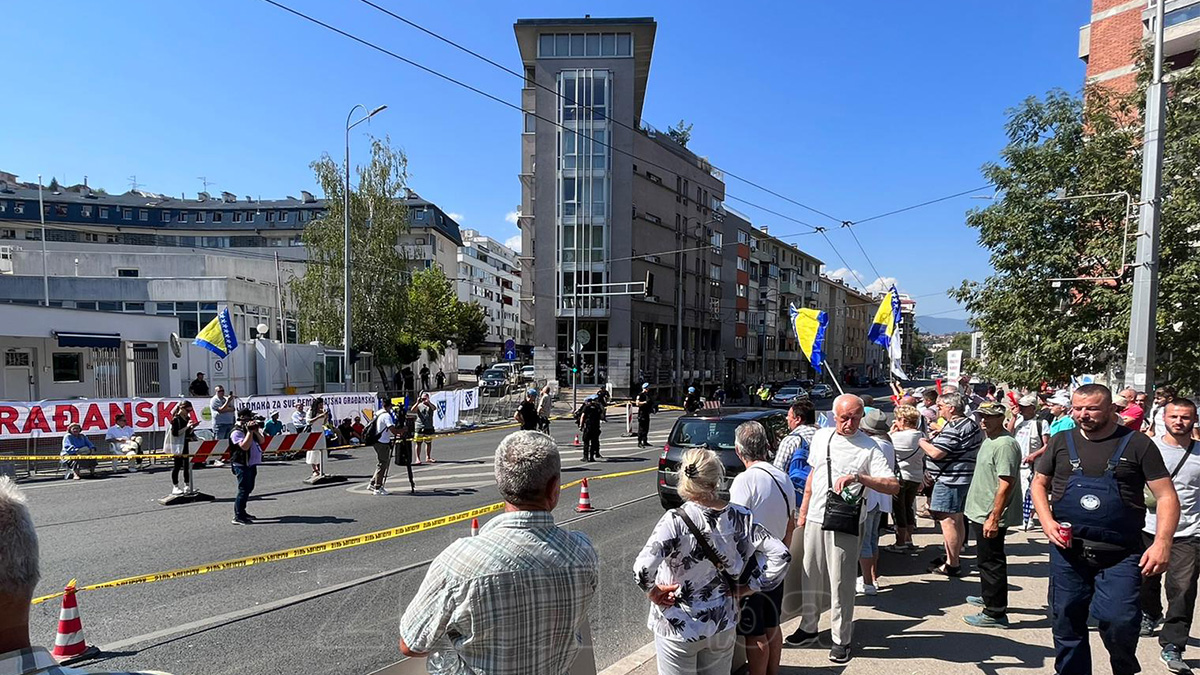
[917,206]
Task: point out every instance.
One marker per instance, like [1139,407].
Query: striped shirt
[960,439]
[510,601]
[38,660]
[790,443]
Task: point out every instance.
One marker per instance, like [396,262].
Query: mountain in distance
[939,325]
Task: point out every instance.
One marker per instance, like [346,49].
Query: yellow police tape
[323,547]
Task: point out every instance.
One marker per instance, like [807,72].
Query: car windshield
[787,391]
[494,375]
[717,434]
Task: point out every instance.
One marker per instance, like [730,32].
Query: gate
[146,381]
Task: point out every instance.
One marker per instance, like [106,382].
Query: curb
[631,662]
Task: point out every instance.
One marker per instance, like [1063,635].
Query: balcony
[414,252]
[788,287]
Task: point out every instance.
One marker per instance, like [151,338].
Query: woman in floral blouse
[693,610]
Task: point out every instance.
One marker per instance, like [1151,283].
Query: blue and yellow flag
[887,319]
[810,331]
[218,336]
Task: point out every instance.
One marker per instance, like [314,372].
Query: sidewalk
[915,623]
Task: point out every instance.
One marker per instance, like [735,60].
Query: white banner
[446,405]
[470,399]
[954,365]
[25,419]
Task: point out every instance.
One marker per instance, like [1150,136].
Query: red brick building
[1111,39]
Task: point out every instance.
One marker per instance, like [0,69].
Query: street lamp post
[347,366]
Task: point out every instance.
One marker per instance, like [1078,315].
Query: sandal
[948,571]
[936,563]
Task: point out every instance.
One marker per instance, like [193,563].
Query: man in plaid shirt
[512,600]
[18,577]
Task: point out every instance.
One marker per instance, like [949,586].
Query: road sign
[582,336]
[510,344]
[510,355]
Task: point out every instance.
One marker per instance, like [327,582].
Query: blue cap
[645,385]
[691,390]
[531,392]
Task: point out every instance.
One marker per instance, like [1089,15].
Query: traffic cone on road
[69,643]
[576,443]
[585,500]
[474,527]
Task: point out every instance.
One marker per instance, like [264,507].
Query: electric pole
[1139,362]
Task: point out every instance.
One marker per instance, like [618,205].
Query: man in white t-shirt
[768,493]
[385,424]
[123,441]
[1033,436]
[1181,455]
[845,461]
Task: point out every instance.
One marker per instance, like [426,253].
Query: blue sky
[854,108]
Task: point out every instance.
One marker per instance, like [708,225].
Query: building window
[530,119]
[743,237]
[8,234]
[126,214]
[166,216]
[3,206]
[127,272]
[270,216]
[584,45]
[741,290]
[91,237]
[217,216]
[60,210]
[86,210]
[138,307]
[283,216]
[199,216]
[181,217]
[18,208]
[237,216]
[143,215]
[67,366]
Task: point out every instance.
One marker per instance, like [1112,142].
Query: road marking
[322,547]
[211,622]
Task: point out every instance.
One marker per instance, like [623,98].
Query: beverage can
[1064,533]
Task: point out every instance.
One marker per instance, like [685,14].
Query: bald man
[842,459]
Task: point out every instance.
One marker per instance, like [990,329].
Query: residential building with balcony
[782,276]
[609,202]
[489,274]
[1110,42]
[851,357]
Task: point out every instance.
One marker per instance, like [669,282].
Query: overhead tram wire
[559,95]
[917,206]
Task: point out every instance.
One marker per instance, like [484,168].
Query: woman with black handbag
[846,463]
[698,561]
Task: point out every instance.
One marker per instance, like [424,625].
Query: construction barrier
[281,444]
[323,547]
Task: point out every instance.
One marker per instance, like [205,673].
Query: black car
[713,429]
[495,382]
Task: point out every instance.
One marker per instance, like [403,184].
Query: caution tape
[314,549]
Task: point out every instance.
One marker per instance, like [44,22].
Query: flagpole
[833,377]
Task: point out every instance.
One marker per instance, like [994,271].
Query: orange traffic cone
[474,527]
[576,440]
[69,643]
[585,500]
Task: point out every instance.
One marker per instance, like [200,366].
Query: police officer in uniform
[1094,477]
[645,405]
[590,416]
[691,402]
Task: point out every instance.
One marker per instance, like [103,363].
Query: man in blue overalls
[1094,477]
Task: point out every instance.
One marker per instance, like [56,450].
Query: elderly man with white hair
[18,578]
[512,600]
[845,463]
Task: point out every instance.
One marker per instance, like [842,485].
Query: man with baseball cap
[993,506]
[1033,435]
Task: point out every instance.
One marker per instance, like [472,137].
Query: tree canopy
[680,133]
[1057,302]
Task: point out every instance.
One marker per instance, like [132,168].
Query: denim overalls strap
[1077,466]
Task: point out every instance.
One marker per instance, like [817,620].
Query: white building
[488,274]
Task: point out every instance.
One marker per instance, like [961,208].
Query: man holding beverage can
[1090,486]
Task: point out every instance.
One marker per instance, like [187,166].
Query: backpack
[798,469]
[372,433]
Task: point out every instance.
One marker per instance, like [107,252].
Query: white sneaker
[869,589]
[859,586]
[176,490]
[382,492]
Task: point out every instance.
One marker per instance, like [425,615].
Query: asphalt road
[334,612]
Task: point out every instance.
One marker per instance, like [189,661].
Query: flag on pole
[810,331]
[887,319]
[218,336]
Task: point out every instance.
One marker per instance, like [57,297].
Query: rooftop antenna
[133,183]
[205,182]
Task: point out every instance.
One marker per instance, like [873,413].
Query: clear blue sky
[853,108]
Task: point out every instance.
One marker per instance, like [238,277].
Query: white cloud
[514,242]
[882,284]
[456,217]
[511,217]
[851,278]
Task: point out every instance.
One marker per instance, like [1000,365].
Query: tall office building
[1110,41]
[608,201]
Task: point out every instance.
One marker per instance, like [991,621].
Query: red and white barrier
[286,443]
[712,405]
[203,452]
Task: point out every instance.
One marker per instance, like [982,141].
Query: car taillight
[662,459]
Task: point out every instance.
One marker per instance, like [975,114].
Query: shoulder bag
[791,521]
[735,585]
[840,515]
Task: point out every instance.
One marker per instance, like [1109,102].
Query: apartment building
[1116,29]
[489,274]
[781,276]
[851,358]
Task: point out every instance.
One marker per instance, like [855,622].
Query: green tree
[471,326]
[680,133]
[378,216]
[959,341]
[1038,328]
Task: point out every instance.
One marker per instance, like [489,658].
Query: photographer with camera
[245,450]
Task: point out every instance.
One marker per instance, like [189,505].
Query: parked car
[713,429]
[821,391]
[510,369]
[495,382]
[527,374]
[785,395]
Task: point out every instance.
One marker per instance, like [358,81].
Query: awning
[94,340]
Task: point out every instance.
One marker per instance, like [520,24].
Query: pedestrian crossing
[476,472]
